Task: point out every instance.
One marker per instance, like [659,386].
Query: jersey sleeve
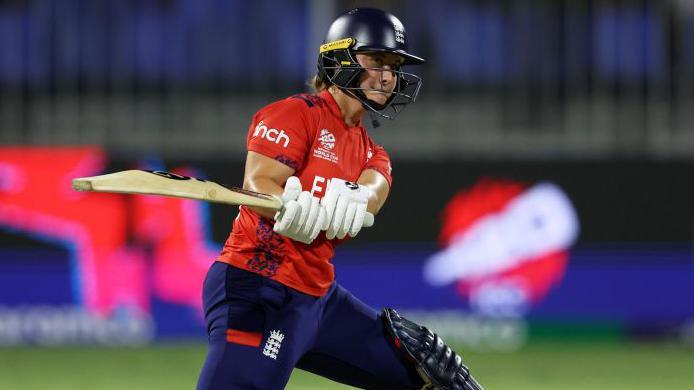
[280,131]
[380,162]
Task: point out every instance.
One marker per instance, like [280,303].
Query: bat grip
[368,220]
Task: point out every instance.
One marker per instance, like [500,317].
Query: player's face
[377,80]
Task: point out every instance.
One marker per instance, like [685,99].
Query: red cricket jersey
[308,134]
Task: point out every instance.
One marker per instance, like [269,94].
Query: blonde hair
[317,84]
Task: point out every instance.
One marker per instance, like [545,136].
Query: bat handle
[368,220]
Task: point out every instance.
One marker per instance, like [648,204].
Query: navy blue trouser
[260,330]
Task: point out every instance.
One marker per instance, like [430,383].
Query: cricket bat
[136,181]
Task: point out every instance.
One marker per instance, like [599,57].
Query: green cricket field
[540,365]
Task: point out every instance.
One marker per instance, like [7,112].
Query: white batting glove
[345,207]
[302,216]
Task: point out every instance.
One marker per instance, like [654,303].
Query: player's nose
[387,76]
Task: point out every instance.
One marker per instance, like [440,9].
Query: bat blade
[137,181]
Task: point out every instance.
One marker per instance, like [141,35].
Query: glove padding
[345,207]
[439,366]
[302,215]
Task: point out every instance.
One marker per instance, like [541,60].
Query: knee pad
[437,364]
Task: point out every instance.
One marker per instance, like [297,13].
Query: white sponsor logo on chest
[272,135]
[327,142]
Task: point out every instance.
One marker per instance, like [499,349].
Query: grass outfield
[547,365]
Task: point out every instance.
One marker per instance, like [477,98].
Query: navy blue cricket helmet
[368,30]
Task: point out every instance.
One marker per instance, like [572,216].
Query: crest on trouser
[273,344]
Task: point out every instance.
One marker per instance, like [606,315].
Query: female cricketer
[271,302]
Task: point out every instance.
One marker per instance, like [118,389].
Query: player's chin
[378,97]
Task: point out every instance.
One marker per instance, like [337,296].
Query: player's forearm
[379,189]
[266,175]
[266,186]
[375,203]
[376,200]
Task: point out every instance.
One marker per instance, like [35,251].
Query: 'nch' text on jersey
[273,135]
